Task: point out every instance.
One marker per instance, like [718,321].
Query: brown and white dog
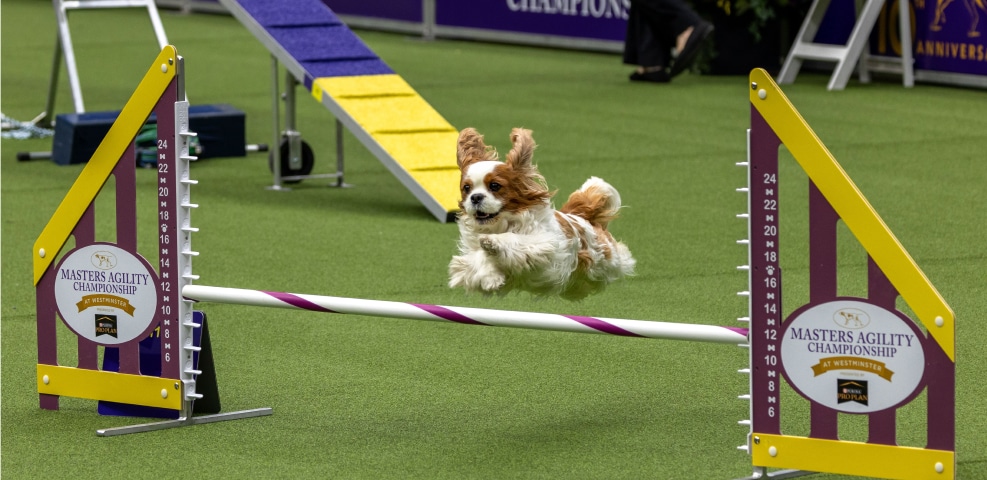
[511,237]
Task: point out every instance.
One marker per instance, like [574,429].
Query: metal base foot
[183,422]
[339,183]
[762,472]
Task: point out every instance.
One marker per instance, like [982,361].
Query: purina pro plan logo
[851,391]
[106,325]
[106,294]
[852,356]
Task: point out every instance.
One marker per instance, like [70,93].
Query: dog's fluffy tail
[596,201]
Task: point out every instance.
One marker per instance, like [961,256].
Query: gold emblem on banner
[852,363]
[104,300]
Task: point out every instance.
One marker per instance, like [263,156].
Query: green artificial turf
[357,397]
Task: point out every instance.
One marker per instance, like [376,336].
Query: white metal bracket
[854,52]
[63,47]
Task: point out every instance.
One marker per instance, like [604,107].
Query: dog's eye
[466,189]
[494,186]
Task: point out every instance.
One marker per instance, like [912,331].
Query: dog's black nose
[476,198]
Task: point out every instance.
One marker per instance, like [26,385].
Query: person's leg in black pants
[654,27]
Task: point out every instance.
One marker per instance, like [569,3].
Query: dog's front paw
[489,245]
[492,282]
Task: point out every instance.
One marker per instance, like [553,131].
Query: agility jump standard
[110,296]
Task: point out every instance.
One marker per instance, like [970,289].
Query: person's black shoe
[688,54]
[656,76]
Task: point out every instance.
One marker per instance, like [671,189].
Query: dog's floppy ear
[470,148]
[524,146]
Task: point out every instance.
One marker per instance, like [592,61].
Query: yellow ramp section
[408,131]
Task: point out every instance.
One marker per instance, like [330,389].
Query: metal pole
[276,122]
[47,118]
[159,33]
[339,154]
[61,17]
[905,35]
[428,20]
[290,131]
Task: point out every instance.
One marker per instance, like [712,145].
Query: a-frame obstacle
[409,137]
[846,355]
[106,292]
[858,356]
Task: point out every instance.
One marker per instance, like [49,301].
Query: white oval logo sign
[106,294]
[852,356]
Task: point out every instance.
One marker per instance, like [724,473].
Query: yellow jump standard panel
[110,386]
[100,166]
[851,458]
[856,212]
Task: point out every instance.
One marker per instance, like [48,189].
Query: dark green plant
[762,12]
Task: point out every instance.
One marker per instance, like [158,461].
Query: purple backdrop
[955,41]
[404,10]
[950,35]
[589,19]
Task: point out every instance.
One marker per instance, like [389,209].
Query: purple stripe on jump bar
[296,301]
[742,331]
[597,324]
[446,314]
